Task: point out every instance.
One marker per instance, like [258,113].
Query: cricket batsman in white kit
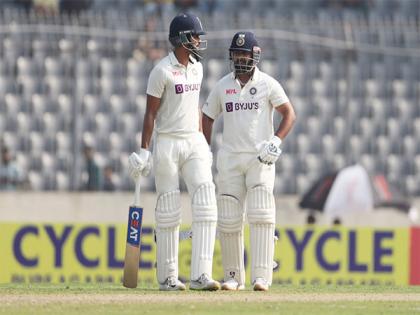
[180,149]
[247,98]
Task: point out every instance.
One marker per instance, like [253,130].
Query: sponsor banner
[56,253]
[342,256]
[87,253]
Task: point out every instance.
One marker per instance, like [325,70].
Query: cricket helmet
[244,42]
[181,31]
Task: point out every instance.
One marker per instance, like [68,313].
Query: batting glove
[271,151]
[139,164]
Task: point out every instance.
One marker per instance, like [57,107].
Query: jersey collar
[174,61]
[172,58]
[256,75]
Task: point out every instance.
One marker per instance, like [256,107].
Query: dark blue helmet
[183,27]
[244,42]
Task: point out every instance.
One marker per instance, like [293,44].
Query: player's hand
[270,151]
[139,164]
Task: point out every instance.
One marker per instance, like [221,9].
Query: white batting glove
[271,151]
[139,164]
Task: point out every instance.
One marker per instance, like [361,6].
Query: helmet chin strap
[193,50]
[197,56]
[188,44]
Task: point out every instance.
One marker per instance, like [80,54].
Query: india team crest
[253,91]
[240,41]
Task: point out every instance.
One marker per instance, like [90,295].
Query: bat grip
[137,193]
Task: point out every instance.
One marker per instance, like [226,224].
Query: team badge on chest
[253,91]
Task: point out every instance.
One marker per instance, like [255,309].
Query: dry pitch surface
[247,297]
[112,299]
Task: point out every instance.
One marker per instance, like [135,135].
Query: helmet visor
[243,61]
[193,43]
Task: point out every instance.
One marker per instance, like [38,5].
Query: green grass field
[114,299]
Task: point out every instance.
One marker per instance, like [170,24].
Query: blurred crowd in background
[205,6]
[73,80]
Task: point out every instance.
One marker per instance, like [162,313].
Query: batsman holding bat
[247,99]
[180,149]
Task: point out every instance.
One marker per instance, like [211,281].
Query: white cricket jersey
[178,88]
[247,112]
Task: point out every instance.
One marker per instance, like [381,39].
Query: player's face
[195,40]
[241,57]
[195,43]
[242,61]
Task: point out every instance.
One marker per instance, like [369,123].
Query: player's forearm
[207,125]
[284,128]
[152,107]
[148,125]
[200,120]
[286,124]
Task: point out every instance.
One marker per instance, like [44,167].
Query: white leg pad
[230,229]
[261,217]
[204,211]
[168,219]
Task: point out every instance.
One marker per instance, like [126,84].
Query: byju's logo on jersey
[230,106]
[179,88]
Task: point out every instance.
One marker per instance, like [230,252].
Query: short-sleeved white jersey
[247,112]
[178,88]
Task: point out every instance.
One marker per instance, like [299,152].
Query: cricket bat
[132,249]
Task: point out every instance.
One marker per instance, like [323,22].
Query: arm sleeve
[156,83]
[277,94]
[212,107]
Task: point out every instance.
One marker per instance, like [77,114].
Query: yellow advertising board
[342,256]
[93,253]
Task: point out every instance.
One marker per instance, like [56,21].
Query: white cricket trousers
[189,158]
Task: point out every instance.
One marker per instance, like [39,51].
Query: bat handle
[137,193]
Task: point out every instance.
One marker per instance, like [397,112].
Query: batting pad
[230,229]
[203,230]
[204,205]
[168,218]
[262,251]
[261,218]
